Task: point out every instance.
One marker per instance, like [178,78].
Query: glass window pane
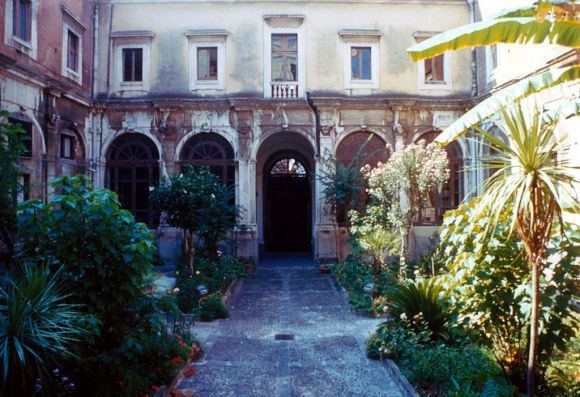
[366,63]
[73,43]
[138,64]
[207,63]
[354,61]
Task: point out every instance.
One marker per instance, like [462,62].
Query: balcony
[284,89]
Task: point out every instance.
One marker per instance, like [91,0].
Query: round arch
[232,142]
[210,150]
[132,168]
[357,143]
[453,190]
[284,203]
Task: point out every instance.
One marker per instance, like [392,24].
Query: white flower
[175,290]
[403,316]
[151,188]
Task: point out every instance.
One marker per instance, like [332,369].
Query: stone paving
[287,298]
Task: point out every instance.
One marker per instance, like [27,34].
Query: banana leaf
[522,88]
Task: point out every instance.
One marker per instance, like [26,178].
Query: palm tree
[532,175]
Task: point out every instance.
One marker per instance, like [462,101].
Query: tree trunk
[404,251]
[534,323]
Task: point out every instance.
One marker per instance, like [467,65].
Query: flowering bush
[413,173]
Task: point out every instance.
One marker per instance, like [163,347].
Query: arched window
[133,167]
[288,167]
[363,148]
[213,151]
[452,193]
[357,150]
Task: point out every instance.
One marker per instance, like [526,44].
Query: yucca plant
[37,327]
[423,302]
[535,177]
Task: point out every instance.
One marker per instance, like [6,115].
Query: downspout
[474,84]
[314,110]
[92,164]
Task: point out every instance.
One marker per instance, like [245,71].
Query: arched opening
[287,203]
[285,192]
[452,192]
[355,151]
[213,151]
[133,167]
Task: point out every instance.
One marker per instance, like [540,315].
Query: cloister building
[262,92]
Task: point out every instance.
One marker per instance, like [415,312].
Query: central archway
[287,208]
[285,192]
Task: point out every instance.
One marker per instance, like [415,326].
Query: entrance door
[287,206]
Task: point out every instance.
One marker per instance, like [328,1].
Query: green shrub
[393,339]
[442,368]
[423,303]
[213,308]
[37,328]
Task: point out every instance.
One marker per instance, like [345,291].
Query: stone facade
[254,80]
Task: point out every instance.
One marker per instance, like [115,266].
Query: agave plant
[423,302]
[37,327]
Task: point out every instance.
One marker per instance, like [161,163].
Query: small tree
[199,204]
[10,148]
[403,185]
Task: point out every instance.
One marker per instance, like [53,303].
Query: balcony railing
[284,89]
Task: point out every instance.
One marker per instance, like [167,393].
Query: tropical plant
[106,255]
[199,204]
[11,146]
[379,243]
[37,327]
[551,21]
[411,173]
[343,184]
[423,304]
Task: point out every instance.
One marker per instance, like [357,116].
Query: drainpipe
[92,162]
[474,86]
[314,110]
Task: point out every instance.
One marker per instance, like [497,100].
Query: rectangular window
[207,63]
[67,145]
[72,59]
[133,64]
[22,19]
[285,57]
[434,70]
[360,61]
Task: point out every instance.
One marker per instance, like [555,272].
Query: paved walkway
[287,298]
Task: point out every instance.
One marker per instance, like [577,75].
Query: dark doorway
[287,204]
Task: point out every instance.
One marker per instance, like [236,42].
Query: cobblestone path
[249,354]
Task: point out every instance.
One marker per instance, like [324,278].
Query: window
[132,51]
[284,57]
[288,167]
[133,64]
[433,70]
[360,61]
[491,61]
[22,19]
[72,61]
[207,63]
[133,167]
[72,48]
[67,147]
[213,151]
[207,53]
[433,73]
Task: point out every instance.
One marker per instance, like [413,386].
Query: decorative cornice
[222,33]
[360,33]
[133,34]
[284,20]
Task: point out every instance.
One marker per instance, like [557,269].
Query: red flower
[120,383]
[189,372]
[176,360]
[155,388]
[158,370]
[248,266]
